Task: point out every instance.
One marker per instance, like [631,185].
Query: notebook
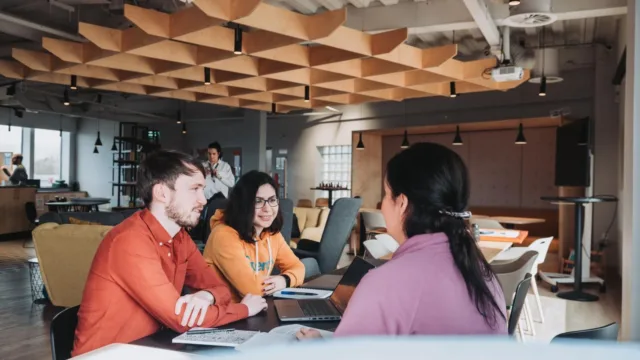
[229,338]
[285,334]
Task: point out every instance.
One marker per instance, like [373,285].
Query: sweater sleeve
[288,263]
[226,176]
[225,251]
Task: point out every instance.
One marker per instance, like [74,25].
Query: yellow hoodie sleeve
[225,251]
[288,263]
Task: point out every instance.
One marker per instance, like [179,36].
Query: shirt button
[170,241]
[160,244]
[169,254]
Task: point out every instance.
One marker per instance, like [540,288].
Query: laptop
[325,309]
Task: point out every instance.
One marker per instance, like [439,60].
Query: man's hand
[273,284]
[196,304]
[306,333]
[254,303]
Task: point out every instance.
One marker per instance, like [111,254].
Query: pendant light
[237,42]
[60,125]
[184,127]
[452,89]
[583,140]
[113,147]
[74,83]
[10,116]
[273,108]
[95,150]
[179,117]
[520,139]
[65,97]
[543,86]
[360,145]
[307,94]
[405,141]
[207,76]
[98,141]
[514,2]
[457,140]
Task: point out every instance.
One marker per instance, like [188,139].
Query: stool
[37,285]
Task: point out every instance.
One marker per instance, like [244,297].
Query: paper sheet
[285,334]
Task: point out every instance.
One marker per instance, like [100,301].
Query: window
[47,153]
[10,141]
[336,169]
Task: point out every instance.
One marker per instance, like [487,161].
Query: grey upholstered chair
[286,208]
[325,256]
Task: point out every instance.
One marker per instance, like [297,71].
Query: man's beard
[182,218]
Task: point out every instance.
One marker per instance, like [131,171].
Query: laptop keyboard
[317,308]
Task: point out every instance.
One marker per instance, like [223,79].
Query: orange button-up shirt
[135,281]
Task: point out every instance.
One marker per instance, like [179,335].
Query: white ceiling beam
[480,13]
[446,15]
[360,3]
[389,2]
[304,6]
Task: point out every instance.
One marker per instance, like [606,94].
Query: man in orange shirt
[137,274]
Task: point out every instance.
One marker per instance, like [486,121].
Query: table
[491,249]
[78,205]
[579,202]
[265,321]
[511,221]
[128,351]
[518,240]
[330,191]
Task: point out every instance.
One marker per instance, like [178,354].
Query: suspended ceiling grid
[165,55]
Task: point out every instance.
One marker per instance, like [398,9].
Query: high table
[577,294]
[330,190]
[78,204]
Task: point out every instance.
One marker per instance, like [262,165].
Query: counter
[13,217]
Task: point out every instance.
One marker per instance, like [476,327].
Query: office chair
[607,332]
[63,329]
[32,216]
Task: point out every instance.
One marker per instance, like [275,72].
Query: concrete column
[254,154]
[631,182]
[605,144]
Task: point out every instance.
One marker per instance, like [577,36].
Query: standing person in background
[219,175]
[19,174]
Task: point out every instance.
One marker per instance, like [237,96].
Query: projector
[507,73]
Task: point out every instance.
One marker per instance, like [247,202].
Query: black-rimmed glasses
[272,201]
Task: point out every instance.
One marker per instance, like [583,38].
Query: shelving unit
[134,142]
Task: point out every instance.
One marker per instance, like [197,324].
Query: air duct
[530,14]
[547,64]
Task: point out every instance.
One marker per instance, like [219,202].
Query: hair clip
[457,215]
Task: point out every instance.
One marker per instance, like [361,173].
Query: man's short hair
[17,158]
[164,167]
[216,145]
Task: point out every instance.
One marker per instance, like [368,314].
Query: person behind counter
[19,174]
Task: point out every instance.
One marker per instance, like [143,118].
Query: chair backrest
[373,220]
[322,202]
[376,249]
[340,223]
[286,208]
[542,247]
[63,328]
[304,203]
[485,223]
[510,274]
[607,332]
[522,288]
[388,241]
[211,208]
[30,211]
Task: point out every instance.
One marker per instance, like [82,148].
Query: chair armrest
[312,233]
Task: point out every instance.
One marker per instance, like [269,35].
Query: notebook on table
[214,337]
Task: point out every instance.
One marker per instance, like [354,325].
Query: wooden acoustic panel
[281,53]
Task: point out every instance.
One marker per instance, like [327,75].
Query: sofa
[65,245]
[311,222]
[65,253]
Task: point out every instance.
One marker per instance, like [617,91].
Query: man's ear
[160,193]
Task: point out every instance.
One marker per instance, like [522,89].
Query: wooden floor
[24,326]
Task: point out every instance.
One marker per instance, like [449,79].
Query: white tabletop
[127,351]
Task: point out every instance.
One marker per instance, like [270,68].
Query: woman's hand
[273,284]
[306,333]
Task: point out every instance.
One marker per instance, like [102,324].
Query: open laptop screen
[347,285]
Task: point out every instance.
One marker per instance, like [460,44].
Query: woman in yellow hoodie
[245,243]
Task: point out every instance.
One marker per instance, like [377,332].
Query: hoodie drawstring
[257,260]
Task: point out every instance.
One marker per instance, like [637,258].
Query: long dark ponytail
[435,181]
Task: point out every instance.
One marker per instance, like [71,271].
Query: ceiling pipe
[506,44]
[32,25]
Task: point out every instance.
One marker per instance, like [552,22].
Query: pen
[207,331]
[298,293]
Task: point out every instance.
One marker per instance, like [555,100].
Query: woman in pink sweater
[438,282]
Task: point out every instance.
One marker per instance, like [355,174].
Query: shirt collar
[159,233]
